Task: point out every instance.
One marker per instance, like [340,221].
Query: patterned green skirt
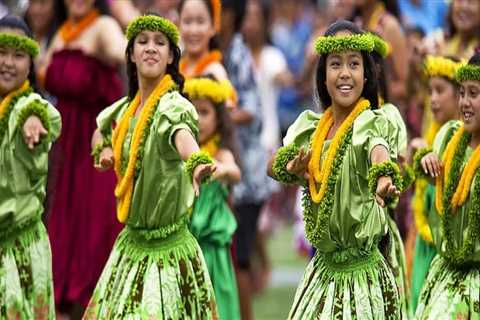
[363,289]
[395,255]
[154,279]
[26,287]
[449,293]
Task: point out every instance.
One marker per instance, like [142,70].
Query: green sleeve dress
[156,269]
[348,278]
[26,287]
[452,287]
[213,225]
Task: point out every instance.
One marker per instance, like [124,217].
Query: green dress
[452,290]
[424,254]
[156,269]
[26,287]
[213,225]
[348,278]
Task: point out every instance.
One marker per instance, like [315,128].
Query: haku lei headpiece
[437,66]
[19,42]
[468,72]
[216,91]
[153,23]
[355,42]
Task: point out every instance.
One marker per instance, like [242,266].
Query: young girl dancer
[213,223]
[156,268]
[452,285]
[350,178]
[443,96]
[28,126]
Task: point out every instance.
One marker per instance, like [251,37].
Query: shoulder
[174,104]
[105,21]
[217,70]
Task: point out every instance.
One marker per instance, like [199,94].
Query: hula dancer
[443,97]
[28,126]
[451,290]
[213,223]
[156,269]
[350,177]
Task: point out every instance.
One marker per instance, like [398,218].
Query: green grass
[275,302]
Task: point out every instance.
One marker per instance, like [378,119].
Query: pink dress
[82,221]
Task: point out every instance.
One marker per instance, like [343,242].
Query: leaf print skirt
[154,279]
[26,287]
[449,293]
[360,289]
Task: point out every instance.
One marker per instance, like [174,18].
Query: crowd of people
[149,148]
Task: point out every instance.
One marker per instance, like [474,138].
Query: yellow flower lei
[437,66]
[124,188]
[212,145]
[216,91]
[319,173]
[8,98]
[463,188]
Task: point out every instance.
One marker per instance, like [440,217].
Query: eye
[461,92]
[19,54]
[473,93]
[334,63]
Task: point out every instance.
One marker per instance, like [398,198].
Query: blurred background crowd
[277,36]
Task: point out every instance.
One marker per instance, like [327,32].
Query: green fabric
[449,293]
[26,287]
[355,226]
[424,254]
[156,269]
[23,171]
[213,225]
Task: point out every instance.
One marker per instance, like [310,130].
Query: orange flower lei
[217,14]
[319,173]
[124,188]
[70,31]
[8,98]
[202,64]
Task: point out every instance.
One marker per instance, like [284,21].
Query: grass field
[275,302]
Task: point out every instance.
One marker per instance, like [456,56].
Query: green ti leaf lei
[6,116]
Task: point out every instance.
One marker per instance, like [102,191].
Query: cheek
[23,68]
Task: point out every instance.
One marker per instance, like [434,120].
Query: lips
[150,60]
[5,75]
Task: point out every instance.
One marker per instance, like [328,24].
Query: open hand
[431,164]
[33,130]
[201,171]
[298,165]
[105,160]
[385,189]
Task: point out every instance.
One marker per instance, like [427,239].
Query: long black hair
[172,68]
[370,88]
[214,43]
[14,22]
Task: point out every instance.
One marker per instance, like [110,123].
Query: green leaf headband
[355,42]
[381,46]
[153,23]
[23,43]
[441,67]
[468,72]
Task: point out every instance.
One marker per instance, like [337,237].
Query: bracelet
[106,142]
[279,167]
[35,108]
[194,160]
[408,177]
[417,162]
[386,168]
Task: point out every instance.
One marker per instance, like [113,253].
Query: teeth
[467,115]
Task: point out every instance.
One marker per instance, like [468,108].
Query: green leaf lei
[468,72]
[19,42]
[6,116]
[279,168]
[194,160]
[153,23]
[356,42]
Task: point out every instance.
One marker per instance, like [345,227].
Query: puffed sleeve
[110,116]
[300,132]
[174,113]
[444,135]
[397,137]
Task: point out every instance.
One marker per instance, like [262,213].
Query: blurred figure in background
[250,194]
[413,14]
[271,75]
[82,74]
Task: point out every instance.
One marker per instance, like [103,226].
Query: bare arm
[227,169]
[241,116]
[124,11]
[112,42]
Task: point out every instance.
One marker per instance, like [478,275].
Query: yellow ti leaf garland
[6,105]
[125,184]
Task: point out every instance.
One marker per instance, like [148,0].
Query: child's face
[470,105]
[14,66]
[151,54]
[196,26]
[443,99]
[207,117]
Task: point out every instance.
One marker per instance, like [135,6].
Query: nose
[151,47]
[344,72]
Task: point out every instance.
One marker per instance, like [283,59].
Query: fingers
[33,130]
[380,200]
[431,165]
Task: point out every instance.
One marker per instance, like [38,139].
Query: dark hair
[172,68]
[214,43]
[370,89]
[100,5]
[475,59]
[58,17]
[381,75]
[266,13]
[238,7]
[225,127]
[14,22]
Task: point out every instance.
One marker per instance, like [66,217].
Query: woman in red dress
[82,74]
